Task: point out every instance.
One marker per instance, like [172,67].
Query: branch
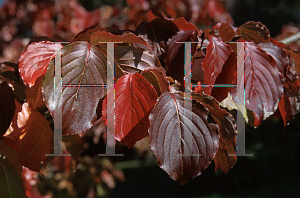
[291,39]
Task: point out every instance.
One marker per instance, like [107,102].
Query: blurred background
[272,172]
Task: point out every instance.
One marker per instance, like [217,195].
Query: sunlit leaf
[31,137]
[83,66]
[134,99]
[35,59]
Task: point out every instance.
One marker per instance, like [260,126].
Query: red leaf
[157,79]
[35,59]
[183,25]
[134,99]
[263,83]
[296,58]
[175,53]
[227,143]
[281,58]
[216,56]
[226,32]
[108,37]
[227,76]
[82,64]
[289,103]
[156,33]
[183,147]
[86,34]
[31,137]
[254,31]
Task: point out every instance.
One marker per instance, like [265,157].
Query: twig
[291,39]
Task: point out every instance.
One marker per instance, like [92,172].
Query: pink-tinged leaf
[102,36]
[35,59]
[216,56]
[226,32]
[7,106]
[290,101]
[263,83]
[254,31]
[134,99]
[184,146]
[83,65]
[281,58]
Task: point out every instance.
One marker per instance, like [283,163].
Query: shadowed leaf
[254,31]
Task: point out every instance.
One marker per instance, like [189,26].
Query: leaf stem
[291,39]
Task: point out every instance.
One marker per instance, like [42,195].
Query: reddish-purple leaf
[254,31]
[289,103]
[7,106]
[102,36]
[216,56]
[184,145]
[263,83]
[86,34]
[156,33]
[35,59]
[226,77]
[157,79]
[227,143]
[83,65]
[131,59]
[281,58]
[226,32]
[134,99]
[175,53]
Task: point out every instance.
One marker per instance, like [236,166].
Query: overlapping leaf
[102,36]
[7,106]
[157,79]
[31,137]
[226,32]
[184,142]
[254,31]
[86,34]
[281,58]
[156,33]
[227,143]
[134,99]
[226,77]
[10,182]
[83,66]
[216,56]
[263,83]
[34,94]
[175,53]
[35,59]
[289,104]
[131,59]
